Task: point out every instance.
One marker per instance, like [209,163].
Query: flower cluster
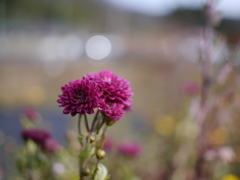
[107,92]
[51,145]
[41,138]
[130,148]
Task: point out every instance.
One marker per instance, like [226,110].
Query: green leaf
[21,163]
[102,173]
[31,146]
[80,137]
[108,176]
[87,153]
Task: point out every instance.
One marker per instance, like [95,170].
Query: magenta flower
[190,88]
[113,111]
[80,96]
[130,149]
[104,90]
[41,138]
[115,89]
[31,114]
[51,145]
[108,144]
[37,135]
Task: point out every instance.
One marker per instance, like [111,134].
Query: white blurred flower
[194,108]
[58,168]
[210,155]
[225,154]
[222,76]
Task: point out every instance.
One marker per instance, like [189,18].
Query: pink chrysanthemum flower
[51,145]
[113,111]
[130,149]
[108,144]
[32,114]
[37,135]
[190,88]
[115,89]
[80,96]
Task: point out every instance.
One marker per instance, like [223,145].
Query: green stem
[81,175]
[28,176]
[50,167]
[80,132]
[103,137]
[79,124]
[94,120]
[100,125]
[101,144]
[96,169]
[86,123]
[79,127]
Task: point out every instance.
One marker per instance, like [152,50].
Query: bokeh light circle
[98,47]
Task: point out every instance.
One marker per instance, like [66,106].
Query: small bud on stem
[92,138]
[100,154]
[85,171]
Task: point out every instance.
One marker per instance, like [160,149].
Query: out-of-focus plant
[124,159]
[35,159]
[202,140]
[128,153]
[30,118]
[204,148]
[110,96]
[208,107]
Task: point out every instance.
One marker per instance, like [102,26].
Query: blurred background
[153,44]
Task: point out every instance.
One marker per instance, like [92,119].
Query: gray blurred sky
[229,8]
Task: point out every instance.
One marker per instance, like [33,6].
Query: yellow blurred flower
[218,137]
[35,95]
[230,177]
[165,125]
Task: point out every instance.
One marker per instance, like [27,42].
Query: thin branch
[79,128]
[103,136]
[100,126]
[81,175]
[206,85]
[79,124]
[96,169]
[86,123]
[94,120]
[27,171]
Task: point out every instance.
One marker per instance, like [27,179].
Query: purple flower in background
[51,145]
[130,149]
[80,96]
[37,135]
[42,138]
[31,114]
[108,144]
[115,89]
[190,88]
